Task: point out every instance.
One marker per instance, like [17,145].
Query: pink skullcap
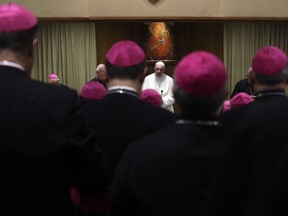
[269,61]
[93,90]
[226,105]
[200,74]
[125,53]
[53,76]
[151,96]
[14,17]
[240,99]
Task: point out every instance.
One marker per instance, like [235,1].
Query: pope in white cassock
[162,83]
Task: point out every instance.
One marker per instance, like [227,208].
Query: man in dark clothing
[252,180]
[121,111]
[244,85]
[101,75]
[45,147]
[121,117]
[168,172]
[54,80]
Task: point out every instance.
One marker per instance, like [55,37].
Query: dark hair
[18,41]
[278,78]
[130,72]
[198,106]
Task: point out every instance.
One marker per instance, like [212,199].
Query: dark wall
[188,37]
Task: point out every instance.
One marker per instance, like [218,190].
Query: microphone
[163,103]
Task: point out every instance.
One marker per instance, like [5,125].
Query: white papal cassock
[163,85]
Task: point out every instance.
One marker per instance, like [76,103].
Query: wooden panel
[108,33]
[201,36]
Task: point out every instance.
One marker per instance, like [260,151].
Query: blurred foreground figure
[91,91]
[168,172]
[240,99]
[252,180]
[45,148]
[151,96]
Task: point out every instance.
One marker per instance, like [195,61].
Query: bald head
[101,72]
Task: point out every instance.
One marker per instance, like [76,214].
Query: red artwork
[159,44]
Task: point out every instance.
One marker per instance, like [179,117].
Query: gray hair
[100,68]
[277,78]
[160,63]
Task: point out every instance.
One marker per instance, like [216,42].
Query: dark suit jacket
[119,119]
[252,179]
[168,172]
[243,86]
[44,150]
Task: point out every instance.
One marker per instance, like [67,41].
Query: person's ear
[143,75]
[33,47]
[251,78]
[35,41]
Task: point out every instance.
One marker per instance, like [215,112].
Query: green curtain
[68,50]
[243,39]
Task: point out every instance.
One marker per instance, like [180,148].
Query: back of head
[53,79]
[18,28]
[200,83]
[53,76]
[270,65]
[125,59]
[240,99]
[93,91]
[151,96]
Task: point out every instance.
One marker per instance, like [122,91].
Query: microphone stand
[165,106]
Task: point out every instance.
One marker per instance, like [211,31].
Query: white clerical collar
[270,94]
[12,64]
[198,122]
[123,90]
[122,87]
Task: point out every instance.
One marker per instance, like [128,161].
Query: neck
[17,59]
[135,84]
[264,87]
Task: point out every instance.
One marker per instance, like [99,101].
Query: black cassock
[168,172]
[252,180]
[44,149]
